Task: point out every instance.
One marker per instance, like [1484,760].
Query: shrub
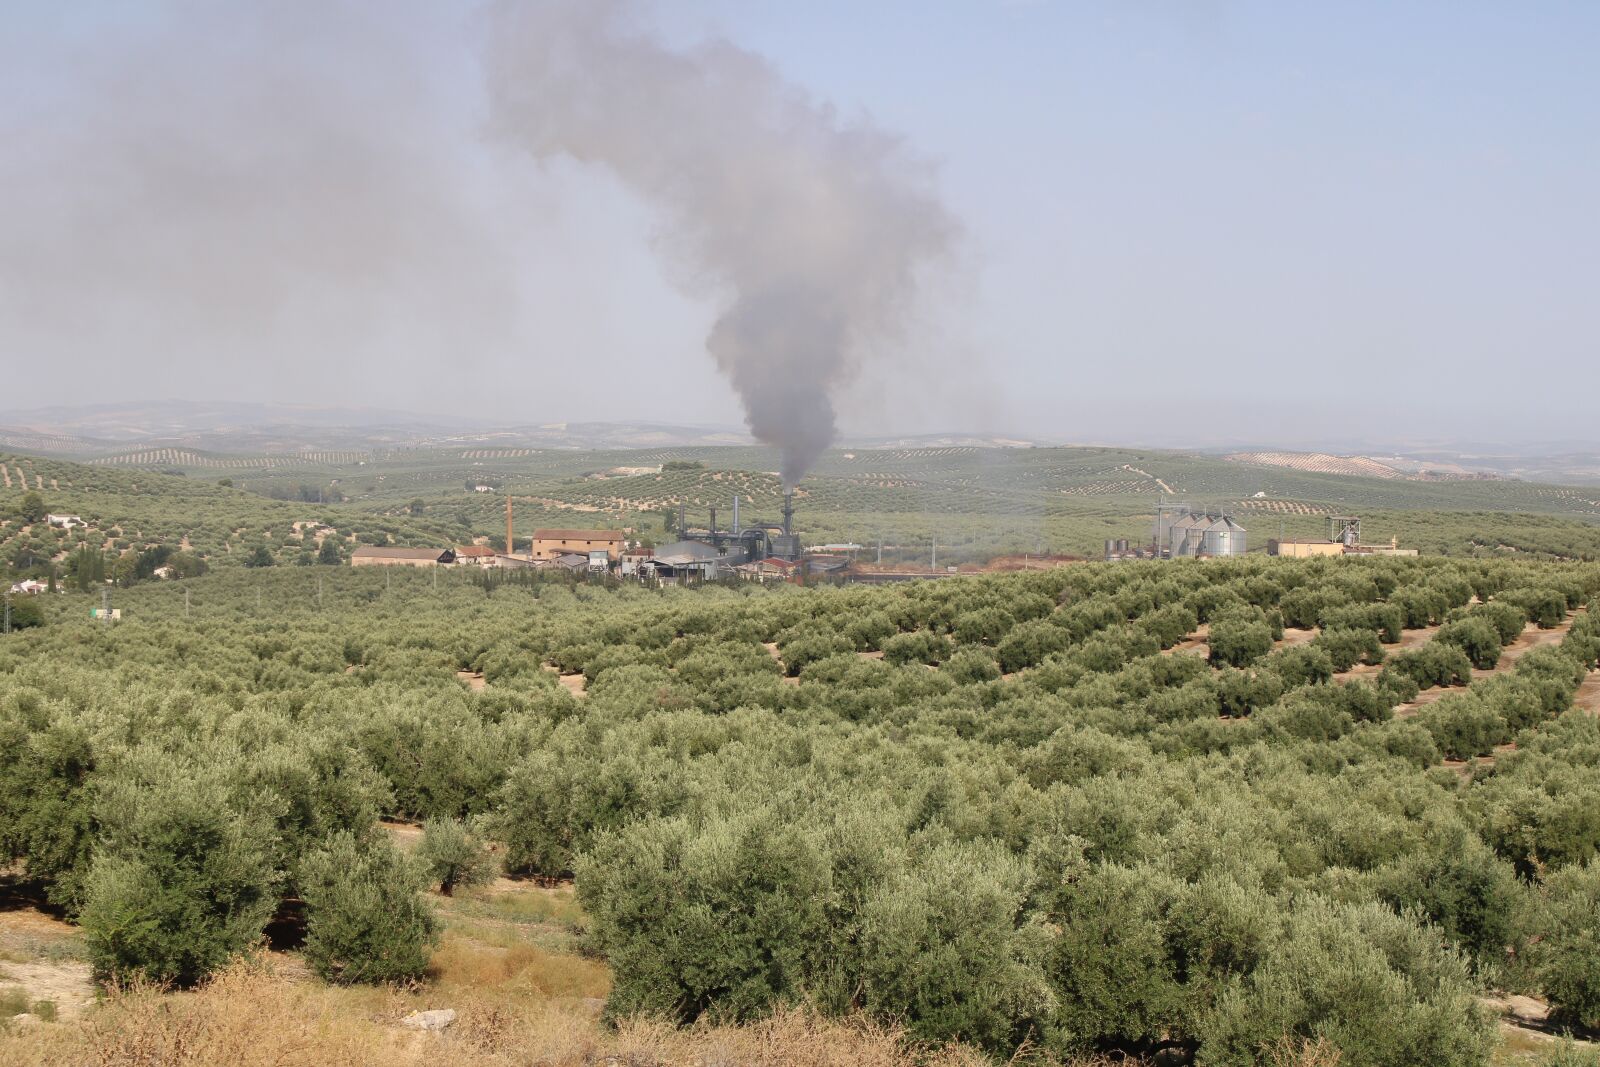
[26,612]
[1376,985]
[1460,886]
[1301,666]
[1477,637]
[742,898]
[971,665]
[1463,725]
[1434,664]
[922,646]
[182,884]
[366,920]
[1567,957]
[1239,638]
[946,950]
[1115,979]
[454,856]
[1348,647]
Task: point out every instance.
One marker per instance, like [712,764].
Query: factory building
[1303,549]
[549,544]
[373,556]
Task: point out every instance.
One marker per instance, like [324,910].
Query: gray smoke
[811,229]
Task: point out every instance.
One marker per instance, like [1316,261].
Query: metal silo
[1227,536]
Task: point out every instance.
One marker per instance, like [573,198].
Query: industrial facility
[1344,539]
[1182,531]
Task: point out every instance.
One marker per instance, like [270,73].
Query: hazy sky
[1174,222]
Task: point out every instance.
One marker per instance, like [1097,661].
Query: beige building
[1301,549]
[370,556]
[548,544]
[482,555]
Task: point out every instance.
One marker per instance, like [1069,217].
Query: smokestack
[713,522]
[817,228]
[788,511]
[508,524]
[736,514]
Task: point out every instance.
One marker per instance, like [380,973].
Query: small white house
[66,522]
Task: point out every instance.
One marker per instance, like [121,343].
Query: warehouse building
[372,556]
[549,544]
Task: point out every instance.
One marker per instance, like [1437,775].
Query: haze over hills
[232,427]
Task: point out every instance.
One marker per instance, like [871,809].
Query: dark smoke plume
[811,229]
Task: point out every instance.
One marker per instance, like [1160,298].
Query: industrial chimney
[788,512]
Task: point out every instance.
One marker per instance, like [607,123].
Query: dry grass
[1303,1052]
[518,969]
[250,1017]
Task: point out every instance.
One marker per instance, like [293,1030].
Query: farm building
[370,556]
[771,569]
[547,544]
[1300,549]
[66,522]
[683,561]
[632,560]
[482,555]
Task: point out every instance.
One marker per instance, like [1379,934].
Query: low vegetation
[1098,810]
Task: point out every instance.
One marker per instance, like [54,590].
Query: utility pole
[933,559]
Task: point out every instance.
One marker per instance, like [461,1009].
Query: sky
[1171,223]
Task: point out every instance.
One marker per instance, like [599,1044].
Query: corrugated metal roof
[695,550]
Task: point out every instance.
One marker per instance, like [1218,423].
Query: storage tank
[1225,537]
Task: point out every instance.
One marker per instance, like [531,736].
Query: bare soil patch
[1196,643]
[407,835]
[474,680]
[40,955]
[1588,695]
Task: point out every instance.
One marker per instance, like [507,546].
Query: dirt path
[1293,638]
[1525,1029]
[474,681]
[576,684]
[1531,638]
[40,956]
[1588,696]
[1195,643]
